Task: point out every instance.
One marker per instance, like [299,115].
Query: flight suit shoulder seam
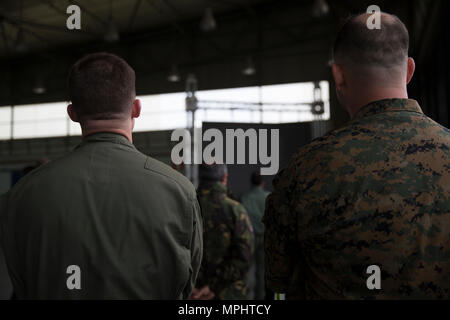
[185,189]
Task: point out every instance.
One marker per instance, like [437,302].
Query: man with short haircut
[105,221]
[364,211]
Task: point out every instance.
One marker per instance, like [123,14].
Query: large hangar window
[258,104]
[40,120]
[5,123]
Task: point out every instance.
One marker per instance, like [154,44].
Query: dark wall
[292,137]
[5,282]
[431,82]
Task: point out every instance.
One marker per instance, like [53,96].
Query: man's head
[213,173]
[102,92]
[371,64]
[256,179]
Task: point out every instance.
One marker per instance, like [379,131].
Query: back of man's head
[102,87]
[256,179]
[371,64]
[357,46]
[212,173]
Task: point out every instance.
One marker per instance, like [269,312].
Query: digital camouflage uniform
[375,192]
[228,243]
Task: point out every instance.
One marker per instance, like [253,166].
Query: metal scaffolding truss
[256,106]
[193,104]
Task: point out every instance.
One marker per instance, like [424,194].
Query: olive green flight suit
[103,222]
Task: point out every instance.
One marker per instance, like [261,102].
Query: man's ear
[338,76]
[410,71]
[72,113]
[225,179]
[136,109]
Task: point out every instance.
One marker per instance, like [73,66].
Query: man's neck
[368,96]
[115,126]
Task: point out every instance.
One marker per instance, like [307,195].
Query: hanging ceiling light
[320,8]
[112,34]
[174,75]
[208,22]
[249,69]
[39,87]
[20,46]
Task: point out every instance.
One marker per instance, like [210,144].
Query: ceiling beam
[133,15]
[4,38]
[91,14]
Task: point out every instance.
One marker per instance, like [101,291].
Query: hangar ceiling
[43,21]
[286,41]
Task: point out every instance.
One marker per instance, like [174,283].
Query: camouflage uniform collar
[388,105]
[106,137]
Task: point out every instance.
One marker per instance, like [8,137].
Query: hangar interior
[250,61]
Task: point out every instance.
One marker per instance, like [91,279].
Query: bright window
[267,104]
[40,120]
[5,123]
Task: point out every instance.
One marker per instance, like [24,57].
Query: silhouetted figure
[228,239]
[254,202]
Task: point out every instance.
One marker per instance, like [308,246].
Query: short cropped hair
[101,87]
[358,45]
[212,173]
[256,179]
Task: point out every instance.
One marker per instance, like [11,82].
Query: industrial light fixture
[39,87]
[249,69]
[20,45]
[320,8]
[208,22]
[112,34]
[174,75]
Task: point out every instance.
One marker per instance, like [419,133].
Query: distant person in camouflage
[375,192]
[228,239]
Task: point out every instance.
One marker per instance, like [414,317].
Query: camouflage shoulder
[165,170]
[325,145]
[236,207]
[234,204]
[440,129]
[240,213]
[327,140]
